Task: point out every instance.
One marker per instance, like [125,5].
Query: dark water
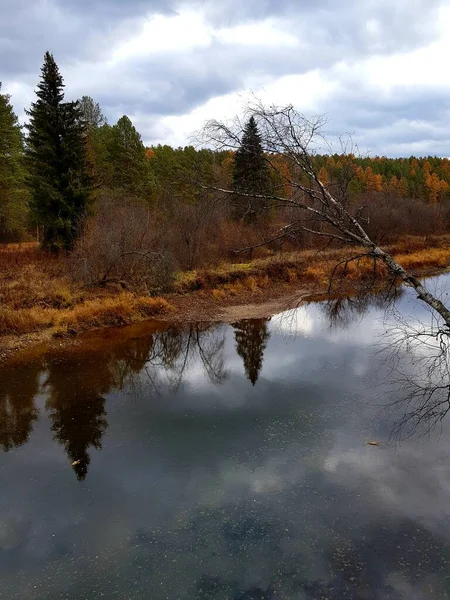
[224,462]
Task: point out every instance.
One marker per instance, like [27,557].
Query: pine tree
[251,339]
[13,192]
[126,154]
[56,153]
[251,175]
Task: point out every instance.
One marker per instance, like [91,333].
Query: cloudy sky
[377,68]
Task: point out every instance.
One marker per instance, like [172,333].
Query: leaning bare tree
[288,134]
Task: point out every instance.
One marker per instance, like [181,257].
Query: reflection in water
[77,412]
[77,409]
[251,337]
[209,488]
[416,352]
[343,311]
[418,355]
[17,407]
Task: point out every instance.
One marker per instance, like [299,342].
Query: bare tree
[288,134]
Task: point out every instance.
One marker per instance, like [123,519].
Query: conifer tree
[56,154]
[126,154]
[251,175]
[13,192]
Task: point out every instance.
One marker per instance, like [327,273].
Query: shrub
[123,245]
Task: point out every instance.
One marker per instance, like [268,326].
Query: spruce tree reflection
[76,406]
[77,384]
[251,337]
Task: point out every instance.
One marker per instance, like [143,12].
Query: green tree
[251,175]
[59,181]
[126,155]
[13,192]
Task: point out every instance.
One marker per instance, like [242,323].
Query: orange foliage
[323,176]
[374,182]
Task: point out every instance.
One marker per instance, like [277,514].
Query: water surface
[223,462]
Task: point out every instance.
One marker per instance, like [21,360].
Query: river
[279,458]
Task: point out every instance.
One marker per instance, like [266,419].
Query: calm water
[223,462]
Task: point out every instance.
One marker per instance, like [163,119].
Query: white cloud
[163,33]
[263,33]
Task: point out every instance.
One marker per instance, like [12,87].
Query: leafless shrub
[123,245]
[391,216]
[192,230]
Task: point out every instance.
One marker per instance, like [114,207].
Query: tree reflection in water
[17,406]
[416,354]
[77,384]
[251,337]
[418,357]
[343,311]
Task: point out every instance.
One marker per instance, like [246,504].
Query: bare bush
[123,245]
[390,217]
[192,230]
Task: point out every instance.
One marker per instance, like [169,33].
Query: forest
[95,226]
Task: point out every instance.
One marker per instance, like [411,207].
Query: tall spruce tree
[13,192]
[59,179]
[250,176]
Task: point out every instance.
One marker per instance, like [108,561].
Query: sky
[377,68]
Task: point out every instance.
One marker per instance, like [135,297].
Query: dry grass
[311,267]
[103,312]
[30,278]
[37,293]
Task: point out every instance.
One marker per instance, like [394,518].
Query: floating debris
[372,443]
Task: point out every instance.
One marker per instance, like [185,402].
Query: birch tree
[288,134]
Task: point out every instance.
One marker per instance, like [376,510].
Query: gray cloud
[82,35]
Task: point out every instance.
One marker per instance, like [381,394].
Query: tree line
[55,168]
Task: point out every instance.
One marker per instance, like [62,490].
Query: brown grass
[103,312]
[37,292]
[314,268]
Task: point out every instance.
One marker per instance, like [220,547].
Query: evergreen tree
[251,337]
[126,154]
[251,175]
[13,192]
[56,151]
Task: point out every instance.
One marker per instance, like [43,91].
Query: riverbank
[40,303]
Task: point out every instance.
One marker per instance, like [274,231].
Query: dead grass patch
[36,291]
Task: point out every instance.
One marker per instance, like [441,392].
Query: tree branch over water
[285,133]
